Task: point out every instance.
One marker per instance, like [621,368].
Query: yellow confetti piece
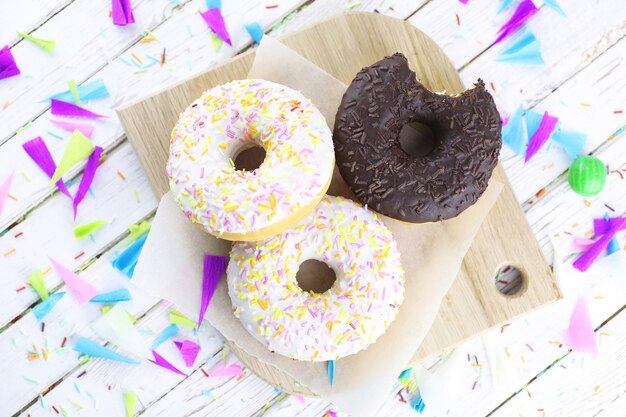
[9,252]
[46,45]
[78,149]
[179,318]
[74,90]
[84,230]
[38,284]
[130,400]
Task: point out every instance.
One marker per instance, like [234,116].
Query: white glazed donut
[250,205]
[352,314]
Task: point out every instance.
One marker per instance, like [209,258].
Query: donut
[341,321]
[236,204]
[409,153]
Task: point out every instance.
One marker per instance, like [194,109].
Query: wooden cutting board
[342,45]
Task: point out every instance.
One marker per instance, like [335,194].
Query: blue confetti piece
[417,404]
[513,132]
[554,6]
[526,49]
[127,260]
[331,371]
[613,246]
[572,142]
[42,309]
[213,3]
[533,120]
[503,5]
[256,31]
[89,91]
[406,374]
[167,333]
[112,297]
[91,348]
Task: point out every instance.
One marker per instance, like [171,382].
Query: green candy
[587,176]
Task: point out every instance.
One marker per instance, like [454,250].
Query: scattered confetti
[540,137]
[130,400]
[179,318]
[524,11]
[214,19]
[585,260]
[255,31]
[189,351]
[555,6]
[38,285]
[42,309]
[92,90]
[88,175]
[525,50]
[84,230]
[331,371]
[166,334]
[46,45]
[93,349]
[8,67]
[74,91]
[126,261]
[224,370]
[82,290]
[63,108]
[122,12]
[4,190]
[513,133]
[78,149]
[572,142]
[114,296]
[580,334]
[214,267]
[162,362]
[138,230]
[85,129]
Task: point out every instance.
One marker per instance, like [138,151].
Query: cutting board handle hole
[510,281]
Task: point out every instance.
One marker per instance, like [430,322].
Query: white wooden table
[583,82]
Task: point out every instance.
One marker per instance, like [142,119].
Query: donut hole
[249,158]
[417,139]
[509,280]
[315,276]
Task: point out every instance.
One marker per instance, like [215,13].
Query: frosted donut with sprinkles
[309,326]
[249,205]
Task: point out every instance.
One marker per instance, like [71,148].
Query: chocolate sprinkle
[379,102]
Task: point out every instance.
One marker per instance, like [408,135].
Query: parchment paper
[171,262]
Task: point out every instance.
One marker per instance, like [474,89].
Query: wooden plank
[48,231]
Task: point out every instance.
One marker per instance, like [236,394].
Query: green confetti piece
[37,283]
[130,400]
[46,45]
[105,309]
[138,230]
[77,404]
[78,149]
[83,230]
[31,380]
[215,41]
[179,318]
[74,91]
[587,176]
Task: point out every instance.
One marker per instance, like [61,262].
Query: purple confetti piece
[38,151]
[8,67]
[214,19]
[540,137]
[214,267]
[586,259]
[525,10]
[88,175]
[580,334]
[189,351]
[122,12]
[63,108]
[601,225]
[162,362]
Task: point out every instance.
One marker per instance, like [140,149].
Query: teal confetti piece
[42,309]
[256,31]
[513,132]
[89,91]
[167,333]
[503,5]
[525,49]
[554,6]
[613,246]
[571,142]
[533,120]
[331,371]
[417,404]
[213,3]
[115,296]
[93,349]
[127,260]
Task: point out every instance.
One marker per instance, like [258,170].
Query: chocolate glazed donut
[412,154]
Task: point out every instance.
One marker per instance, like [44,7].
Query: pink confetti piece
[300,398]
[525,10]
[88,175]
[214,267]
[586,259]
[189,351]
[83,291]
[214,19]
[38,151]
[4,190]
[85,129]
[232,370]
[162,362]
[63,108]
[122,12]
[601,225]
[580,243]
[8,67]
[540,137]
[580,334]
[464,1]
